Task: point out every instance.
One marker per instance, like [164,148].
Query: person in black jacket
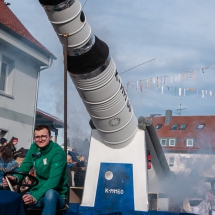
[79,168]
[80,173]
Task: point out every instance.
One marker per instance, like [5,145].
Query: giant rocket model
[116,177]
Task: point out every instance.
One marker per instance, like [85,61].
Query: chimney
[168,117]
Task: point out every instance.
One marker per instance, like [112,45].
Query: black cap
[3,140]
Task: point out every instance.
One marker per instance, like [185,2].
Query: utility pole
[65,91]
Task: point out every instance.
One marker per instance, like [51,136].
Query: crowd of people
[7,157]
[77,169]
[11,159]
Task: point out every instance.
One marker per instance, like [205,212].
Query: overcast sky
[180,34]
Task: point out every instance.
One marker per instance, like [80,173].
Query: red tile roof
[204,139]
[8,19]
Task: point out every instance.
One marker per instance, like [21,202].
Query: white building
[22,58]
[188,142]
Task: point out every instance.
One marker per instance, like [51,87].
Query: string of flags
[164,83]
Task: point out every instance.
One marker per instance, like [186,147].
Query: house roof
[203,139]
[11,23]
[47,119]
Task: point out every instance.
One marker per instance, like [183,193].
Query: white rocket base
[134,153]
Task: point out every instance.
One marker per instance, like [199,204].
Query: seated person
[49,162]
[7,163]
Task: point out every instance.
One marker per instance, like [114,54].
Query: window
[171,161]
[6,75]
[171,142]
[159,126]
[174,127]
[200,126]
[183,126]
[189,142]
[3,76]
[163,142]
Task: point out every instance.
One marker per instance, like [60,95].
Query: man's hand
[11,178]
[28,199]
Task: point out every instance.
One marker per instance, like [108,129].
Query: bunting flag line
[159,82]
[162,80]
[178,91]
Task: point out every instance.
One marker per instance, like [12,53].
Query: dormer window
[183,126]
[174,126]
[200,126]
[159,126]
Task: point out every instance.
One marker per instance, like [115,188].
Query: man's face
[69,159]
[42,138]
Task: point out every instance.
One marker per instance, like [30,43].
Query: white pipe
[36,94]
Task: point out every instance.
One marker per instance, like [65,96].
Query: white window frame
[10,67]
[6,76]
[171,163]
[170,142]
[187,144]
[165,142]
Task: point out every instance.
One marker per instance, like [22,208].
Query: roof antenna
[180,109]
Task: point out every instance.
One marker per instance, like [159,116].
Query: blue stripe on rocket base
[117,192]
[112,203]
[76,209]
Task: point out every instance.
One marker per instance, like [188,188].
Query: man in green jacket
[50,164]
